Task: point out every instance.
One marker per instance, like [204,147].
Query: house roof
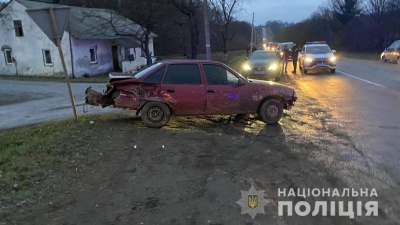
[94,23]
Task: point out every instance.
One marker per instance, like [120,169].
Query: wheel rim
[272,111]
[155,114]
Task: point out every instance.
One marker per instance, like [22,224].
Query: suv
[317,55]
[280,47]
[392,53]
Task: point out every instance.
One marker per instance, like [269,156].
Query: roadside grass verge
[368,56]
[30,154]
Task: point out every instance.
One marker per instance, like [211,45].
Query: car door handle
[210,91]
[170,90]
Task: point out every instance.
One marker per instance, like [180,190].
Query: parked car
[280,47]
[262,65]
[272,46]
[192,87]
[392,53]
[317,55]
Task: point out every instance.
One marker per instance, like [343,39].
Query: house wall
[27,50]
[81,57]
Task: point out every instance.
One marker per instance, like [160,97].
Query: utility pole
[252,34]
[207,29]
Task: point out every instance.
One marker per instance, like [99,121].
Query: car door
[390,51]
[183,87]
[225,93]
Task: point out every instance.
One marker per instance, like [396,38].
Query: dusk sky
[284,10]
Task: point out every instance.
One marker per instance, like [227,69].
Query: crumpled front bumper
[93,97]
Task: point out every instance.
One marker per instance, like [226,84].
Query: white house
[95,41]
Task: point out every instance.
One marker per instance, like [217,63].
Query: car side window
[218,75]
[183,74]
[155,77]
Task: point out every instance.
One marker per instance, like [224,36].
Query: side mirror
[241,82]
[333,51]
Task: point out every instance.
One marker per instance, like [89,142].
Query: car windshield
[318,49]
[146,69]
[262,56]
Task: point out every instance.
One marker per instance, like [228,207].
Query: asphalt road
[363,99]
[30,102]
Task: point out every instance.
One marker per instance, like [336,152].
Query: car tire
[155,114]
[304,71]
[270,111]
[277,78]
[398,61]
[384,59]
[333,70]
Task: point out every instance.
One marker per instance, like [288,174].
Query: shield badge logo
[252,201]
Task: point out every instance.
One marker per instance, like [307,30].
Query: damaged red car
[192,87]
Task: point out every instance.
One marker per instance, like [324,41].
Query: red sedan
[192,87]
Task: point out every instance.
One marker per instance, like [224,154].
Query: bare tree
[191,9]
[224,13]
[148,14]
[345,10]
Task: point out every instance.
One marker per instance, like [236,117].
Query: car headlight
[308,59]
[246,67]
[273,67]
[332,59]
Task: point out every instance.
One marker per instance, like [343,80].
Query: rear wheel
[271,111]
[155,114]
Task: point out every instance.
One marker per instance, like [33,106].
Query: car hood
[320,55]
[261,62]
[269,88]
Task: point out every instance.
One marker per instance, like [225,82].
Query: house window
[47,57]
[19,32]
[93,54]
[7,56]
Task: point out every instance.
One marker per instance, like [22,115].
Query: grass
[367,56]
[29,154]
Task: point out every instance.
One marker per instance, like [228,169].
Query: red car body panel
[191,99]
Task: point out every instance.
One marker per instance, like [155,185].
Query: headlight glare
[308,59]
[273,67]
[246,67]
[332,59]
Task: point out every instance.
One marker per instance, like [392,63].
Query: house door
[115,58]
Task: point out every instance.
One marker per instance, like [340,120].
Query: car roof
[184,61]
[309,45]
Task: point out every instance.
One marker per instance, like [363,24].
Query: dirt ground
[189,172]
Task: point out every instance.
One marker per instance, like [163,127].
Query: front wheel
[155,114]
[333,70]
[271,111]
[304,71]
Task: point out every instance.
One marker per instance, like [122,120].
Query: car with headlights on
[192,87]
[317,55]
[262,65]
[392,53]
[281,46]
